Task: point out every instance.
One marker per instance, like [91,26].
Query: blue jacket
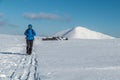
[30,33]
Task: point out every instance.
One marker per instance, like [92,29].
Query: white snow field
[81,59]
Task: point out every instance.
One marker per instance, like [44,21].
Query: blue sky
[51,16]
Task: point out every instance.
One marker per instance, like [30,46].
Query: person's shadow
[12,53]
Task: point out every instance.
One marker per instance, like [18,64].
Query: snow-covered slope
[59,60]
[82,33]
[14,63]
[79,59]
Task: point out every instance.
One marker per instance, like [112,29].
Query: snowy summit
[82,33]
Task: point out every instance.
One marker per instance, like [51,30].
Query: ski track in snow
[29,69]
[26,69]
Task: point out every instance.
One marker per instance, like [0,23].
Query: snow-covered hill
[75,59]
[82,33]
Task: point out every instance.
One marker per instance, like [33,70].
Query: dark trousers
[29,46]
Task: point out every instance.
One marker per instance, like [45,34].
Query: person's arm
[25,33]
[34,33]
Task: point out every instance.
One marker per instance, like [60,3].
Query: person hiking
[29,33]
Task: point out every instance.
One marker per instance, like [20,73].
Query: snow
[81,59]
[82,33]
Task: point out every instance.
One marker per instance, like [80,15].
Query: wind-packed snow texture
[82,33]
[59,60]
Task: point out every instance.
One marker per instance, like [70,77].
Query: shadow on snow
[12,53]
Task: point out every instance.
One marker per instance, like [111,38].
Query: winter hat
[30,26]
